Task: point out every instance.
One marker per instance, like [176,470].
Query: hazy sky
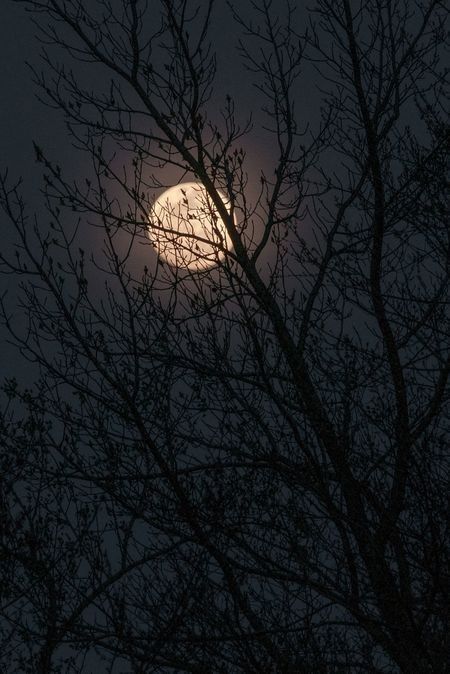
[23,119]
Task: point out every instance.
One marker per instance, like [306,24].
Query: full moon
[187,229]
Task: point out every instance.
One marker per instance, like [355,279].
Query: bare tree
[237,464]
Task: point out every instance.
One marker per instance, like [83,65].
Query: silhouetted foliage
[240,467]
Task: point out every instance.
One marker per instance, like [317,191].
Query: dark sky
[21,120]
[24,119]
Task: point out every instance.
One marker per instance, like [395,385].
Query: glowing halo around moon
[186,228]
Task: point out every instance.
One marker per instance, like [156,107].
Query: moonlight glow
[186,228]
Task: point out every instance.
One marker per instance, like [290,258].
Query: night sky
[288,406]
[24,119]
